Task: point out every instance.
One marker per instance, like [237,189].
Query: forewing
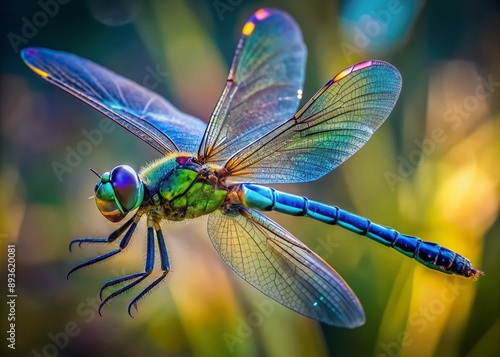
[263,87]
[142,112]
[332,126]
[283,268]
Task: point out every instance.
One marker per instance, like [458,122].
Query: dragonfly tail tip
[476,273]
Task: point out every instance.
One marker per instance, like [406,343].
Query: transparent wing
[263,86]
[332,126]
[283,268]
[142,112]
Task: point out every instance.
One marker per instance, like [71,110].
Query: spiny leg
[111,238]
[124,242]
[165,267]
[136,277]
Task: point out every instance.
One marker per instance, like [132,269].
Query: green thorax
[179,187]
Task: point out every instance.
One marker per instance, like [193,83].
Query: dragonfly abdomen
[429,254]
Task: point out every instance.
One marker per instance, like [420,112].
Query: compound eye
[106,202]
[110,210]
[127,186]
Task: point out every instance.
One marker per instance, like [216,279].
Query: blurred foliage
[432,171]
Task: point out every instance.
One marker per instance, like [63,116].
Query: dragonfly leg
[136,277]
[165,267]
[112,237]
[132,224]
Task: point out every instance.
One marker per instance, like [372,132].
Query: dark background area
[442,189]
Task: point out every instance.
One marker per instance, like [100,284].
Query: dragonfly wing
[332,126]
[263,87]
[282,267]
[142,112]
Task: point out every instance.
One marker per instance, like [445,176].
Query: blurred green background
[432,171]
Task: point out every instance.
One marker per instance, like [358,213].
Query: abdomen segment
[429,254]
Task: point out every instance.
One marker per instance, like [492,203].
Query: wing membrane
[262,88]
[283,268]
[330,128]
[142,112]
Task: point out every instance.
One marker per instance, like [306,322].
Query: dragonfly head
[118,192]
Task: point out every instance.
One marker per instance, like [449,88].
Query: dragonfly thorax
[180,187]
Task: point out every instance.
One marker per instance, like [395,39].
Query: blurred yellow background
[431,171]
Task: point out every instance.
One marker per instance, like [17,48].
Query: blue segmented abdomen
[429,254]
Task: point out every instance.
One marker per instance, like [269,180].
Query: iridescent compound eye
[118,192]
[105,200]
[128,187]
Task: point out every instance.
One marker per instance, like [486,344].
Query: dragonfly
[254,138]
